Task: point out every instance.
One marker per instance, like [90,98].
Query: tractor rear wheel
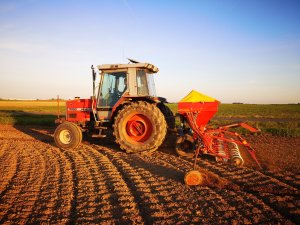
[67,135]
[140,126]
[169,116]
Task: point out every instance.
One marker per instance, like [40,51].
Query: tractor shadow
[108,142]
[41,127]
[37,125]
[39,133]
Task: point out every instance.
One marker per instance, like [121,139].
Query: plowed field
[99,184]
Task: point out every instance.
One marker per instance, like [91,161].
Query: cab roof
[148,66]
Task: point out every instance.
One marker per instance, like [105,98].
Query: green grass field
[283,120]
[30,112]
[254,111]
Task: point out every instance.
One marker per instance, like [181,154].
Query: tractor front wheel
[67,135]
[140,126]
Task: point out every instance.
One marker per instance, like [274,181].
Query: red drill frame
[197,115]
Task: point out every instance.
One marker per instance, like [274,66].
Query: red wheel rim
[139,128]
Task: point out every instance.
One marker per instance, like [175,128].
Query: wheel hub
[65,137]
[139,128]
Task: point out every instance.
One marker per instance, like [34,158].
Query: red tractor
[126,102]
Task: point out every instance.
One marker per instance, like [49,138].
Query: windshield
[112,87]
[145,83]
[151,84]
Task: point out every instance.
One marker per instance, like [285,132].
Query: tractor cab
[120,82]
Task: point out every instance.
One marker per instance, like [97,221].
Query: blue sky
[235,51]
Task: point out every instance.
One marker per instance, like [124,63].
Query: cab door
[112,87]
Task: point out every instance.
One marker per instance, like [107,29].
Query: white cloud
[21,46]
[6,26]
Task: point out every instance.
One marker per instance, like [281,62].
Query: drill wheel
[193,178]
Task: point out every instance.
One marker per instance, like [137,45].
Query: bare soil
[99,184]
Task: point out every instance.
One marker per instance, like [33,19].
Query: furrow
[276,195]
[54,200]
[251,209]
[248,178]
[179,201]
[3,150]
[118,201]
[8,167]
[140,185]
[24,188]
[82,186]
[289,178]
[42,184]
[98,190]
